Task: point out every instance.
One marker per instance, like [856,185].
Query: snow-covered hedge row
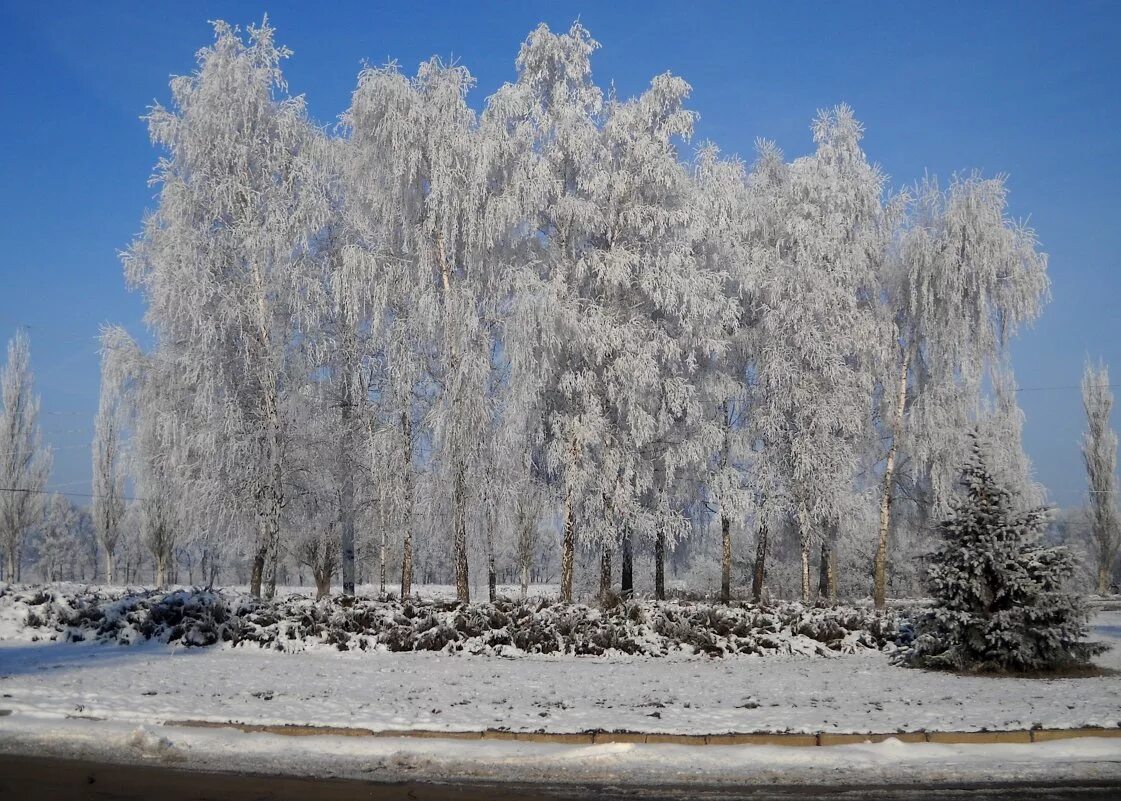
[507,628]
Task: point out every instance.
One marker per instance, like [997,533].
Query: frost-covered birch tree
[418,148]
[819,327]
[963,279]
[720,187]
[616,294]
[548,121]
[222,264]
[663,312]
[1099,454]
[24,464]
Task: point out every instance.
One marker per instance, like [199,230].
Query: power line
[1068,387]
[51,448]
[63,492]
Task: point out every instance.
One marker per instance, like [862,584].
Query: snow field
[679,693]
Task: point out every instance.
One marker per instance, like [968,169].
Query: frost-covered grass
[504,628]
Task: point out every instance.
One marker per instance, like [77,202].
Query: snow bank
[503,628]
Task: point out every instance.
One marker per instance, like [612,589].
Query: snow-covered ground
[108,701]
[152,682]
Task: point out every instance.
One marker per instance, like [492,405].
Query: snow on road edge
[393,759]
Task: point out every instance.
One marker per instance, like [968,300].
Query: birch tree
[417,146]
[548,124]
[965,278]
[340,338]
[663,312]
[1099,454]
[223,259]
[720,198]
[24,464]
[818,326]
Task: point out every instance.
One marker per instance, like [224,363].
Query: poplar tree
[24,464]
[1099,455]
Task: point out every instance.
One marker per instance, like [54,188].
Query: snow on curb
[1017,736]
[396,758]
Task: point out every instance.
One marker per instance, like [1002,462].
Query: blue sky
[1027,89]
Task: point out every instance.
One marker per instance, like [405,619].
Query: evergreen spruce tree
[999,599]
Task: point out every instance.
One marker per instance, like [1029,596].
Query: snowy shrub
[507,628]
[999,602]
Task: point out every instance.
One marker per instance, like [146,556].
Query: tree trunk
[407,509]
[725,521]
[10,564]
[459,488]
[806,573]
[1103,578]
[568,550]
[490,523]
[660,566]
[726,559]
[161,571]
[605,576]
[525,580]
[257,572]
[272,566]
[459,524]
[383,556]
[212,567]
[568,546]
[759,573]
[805,540]
[627,578]
[827,576]
[109,566]
[346,494]
[879,579]
[322,583]
[346,526]
[270,542]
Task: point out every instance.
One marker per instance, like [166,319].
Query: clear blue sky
[1028,89]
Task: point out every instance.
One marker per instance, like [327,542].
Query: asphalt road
[25,778]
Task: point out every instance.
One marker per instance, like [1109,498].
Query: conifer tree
[999,598]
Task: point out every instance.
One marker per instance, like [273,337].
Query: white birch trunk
[879,588]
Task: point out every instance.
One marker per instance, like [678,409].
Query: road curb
[821,739]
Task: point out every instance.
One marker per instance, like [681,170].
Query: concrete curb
[1017,736]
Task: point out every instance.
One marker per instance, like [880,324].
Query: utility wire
[1069,386]
[63,492]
